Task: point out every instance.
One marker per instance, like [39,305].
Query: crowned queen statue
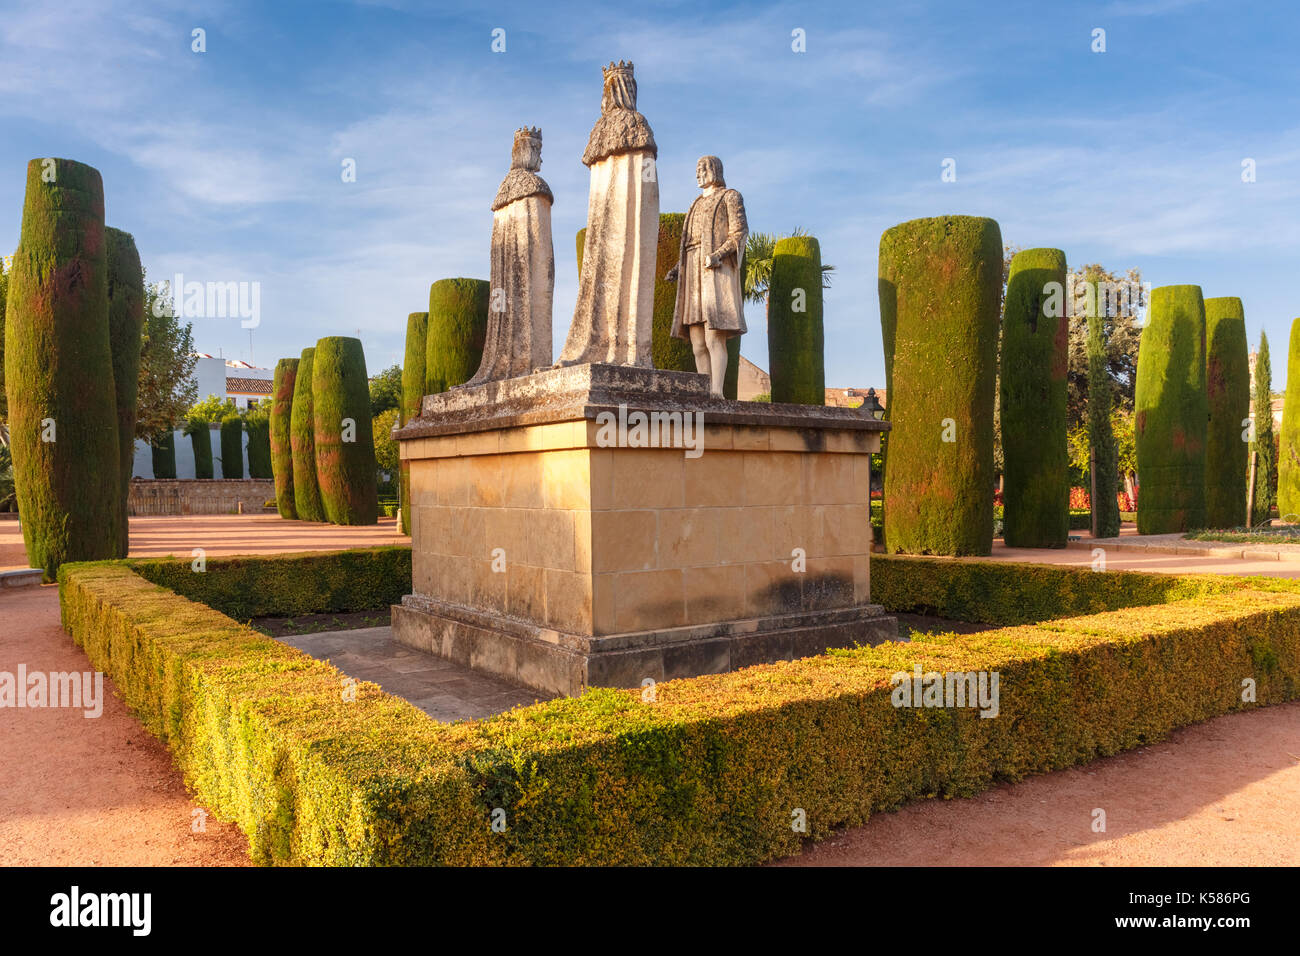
[612,321]
[522,284]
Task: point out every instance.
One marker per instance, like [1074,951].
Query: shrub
[668,352]
[257,423]
[345,464]
[458,311]
[1172,412]
[163,452]
[709,771]
[125,328]
[795,337]
[319,582]
[286,376]
[1288,460]
[1104,458]
[413,380]
[232,447]
[940,286]
[302,431]
[1227,388]
[200,432]
[59,370]
[1266,445]
[1035,360]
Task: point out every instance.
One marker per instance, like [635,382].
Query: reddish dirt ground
[1222,793]
[103,791]
[81,791]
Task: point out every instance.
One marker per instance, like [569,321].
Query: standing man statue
[613,319]
[710,296]
[522,283]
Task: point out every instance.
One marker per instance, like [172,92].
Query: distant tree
[385,390]
[1264,447]
[386,449]
[760,247]
[167,386]
[211,409]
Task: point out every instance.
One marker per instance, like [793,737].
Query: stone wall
[193,496]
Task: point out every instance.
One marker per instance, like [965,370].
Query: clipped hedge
[318,582]
[63,425]
[286,377]
[458,312]
[795,335]
[940,284]
[163,452]
[417,335]
[1288,462]
[345,455]
[1227,389]
[125,327]
[668,352]
[232,447]
[1035,360]
[710,772]
[1172,412]
[302,439]
[258,427]
[201,442]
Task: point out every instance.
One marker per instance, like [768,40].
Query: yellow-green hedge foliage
[709,773]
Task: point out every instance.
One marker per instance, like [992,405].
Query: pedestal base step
[561,663]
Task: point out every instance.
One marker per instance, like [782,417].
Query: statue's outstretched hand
[671,275]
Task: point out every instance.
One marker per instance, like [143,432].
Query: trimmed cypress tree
[302,431]
[1227,388]
[257,424]
[163,451]
[417,334]
[1103,450]
[795,337]
[1172,412]
[940,291]
[581,242]
[286,376]
[731,382]
[1264,445]
[232,447]
[4,294]
[1288,462]
[458,311]
[59,370]
[200,432]
[1035,360]
[669,353]
[125,328]
[345,444]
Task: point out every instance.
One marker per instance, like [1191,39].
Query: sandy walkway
[1222,793]
[81,791]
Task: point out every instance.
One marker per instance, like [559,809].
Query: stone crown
[622,66]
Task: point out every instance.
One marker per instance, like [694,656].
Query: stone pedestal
[561,543]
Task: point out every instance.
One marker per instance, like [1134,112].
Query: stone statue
[710,297]
[613,319]
[522,284]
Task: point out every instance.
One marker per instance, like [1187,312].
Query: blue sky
[226,165]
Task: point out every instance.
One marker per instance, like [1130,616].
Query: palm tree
[759,249]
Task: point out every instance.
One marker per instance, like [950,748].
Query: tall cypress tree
[1101,438]
[1264,446]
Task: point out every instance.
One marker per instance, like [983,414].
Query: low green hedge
[715,768]
[1005,592]
[318,582]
